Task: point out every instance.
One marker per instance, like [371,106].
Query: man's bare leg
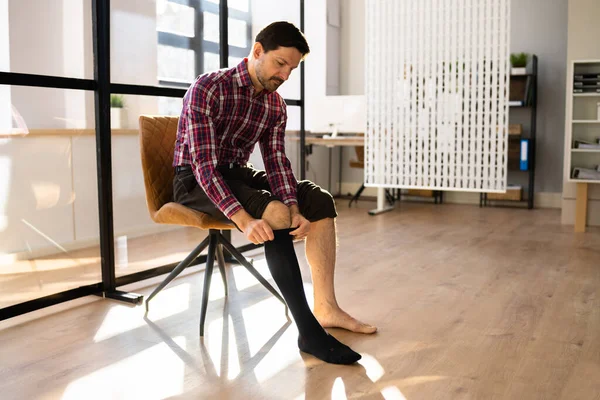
[321,255]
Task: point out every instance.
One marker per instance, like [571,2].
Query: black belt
[187,167]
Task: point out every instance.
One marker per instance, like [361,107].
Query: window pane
[211,62]
[49,232]
[169,106]
[241,5]
[234,61]
[50,37]
[175,64]
[143,55]
[238,33]
[174,18]
[211,27]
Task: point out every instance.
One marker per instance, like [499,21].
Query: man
[225,113]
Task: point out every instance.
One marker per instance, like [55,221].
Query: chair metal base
[215,243]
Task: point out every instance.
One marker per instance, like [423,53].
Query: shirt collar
[243,77]
[242,74]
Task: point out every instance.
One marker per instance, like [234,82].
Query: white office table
[350,141]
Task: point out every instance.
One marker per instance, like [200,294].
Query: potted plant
[118,119]
[518,62]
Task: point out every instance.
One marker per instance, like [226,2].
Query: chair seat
[175,214]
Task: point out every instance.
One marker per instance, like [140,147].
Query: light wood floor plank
[470,303]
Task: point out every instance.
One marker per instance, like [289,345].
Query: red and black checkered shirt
[221,122]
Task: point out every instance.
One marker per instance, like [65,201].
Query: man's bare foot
[338,318]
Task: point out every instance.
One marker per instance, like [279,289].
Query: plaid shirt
[221,122]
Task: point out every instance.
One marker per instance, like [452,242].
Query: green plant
[116,101]
[519,60]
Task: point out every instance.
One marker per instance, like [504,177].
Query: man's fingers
[263,233]
[269,232]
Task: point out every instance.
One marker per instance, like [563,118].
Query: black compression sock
[283,264]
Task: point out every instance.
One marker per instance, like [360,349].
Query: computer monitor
[332,115]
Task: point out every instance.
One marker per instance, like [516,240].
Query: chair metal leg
[389,197]
[180,267]
[242,260]
[221,263]
[210,260]
[357,195]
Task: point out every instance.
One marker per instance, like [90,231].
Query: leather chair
[157,142]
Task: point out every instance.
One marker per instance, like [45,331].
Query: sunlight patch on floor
[154,373]
[123,318]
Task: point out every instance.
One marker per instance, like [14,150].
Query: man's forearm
[241,219]
[294,209]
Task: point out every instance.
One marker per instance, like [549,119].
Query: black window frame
[103,88]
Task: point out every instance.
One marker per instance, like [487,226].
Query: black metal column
[302,106]
[223,34]
[101,26]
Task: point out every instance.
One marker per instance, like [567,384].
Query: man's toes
[365,328]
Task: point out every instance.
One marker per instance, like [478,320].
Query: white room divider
[436,87]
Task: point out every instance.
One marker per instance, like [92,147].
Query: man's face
[274,67]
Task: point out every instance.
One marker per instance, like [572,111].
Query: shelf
[586,94]
[586,121]
[583,180]
[585,151]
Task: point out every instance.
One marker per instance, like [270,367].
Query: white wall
[352,71]
[583,34]
[538,27]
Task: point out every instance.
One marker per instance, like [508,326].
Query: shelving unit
[583,125]
[523,94]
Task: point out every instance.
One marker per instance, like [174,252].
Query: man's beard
[271,84]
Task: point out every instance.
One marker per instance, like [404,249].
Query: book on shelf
[587,84]
[586,76]
[586,173]
[586,90]
[584,144]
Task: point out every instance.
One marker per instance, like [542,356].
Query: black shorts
[251,188]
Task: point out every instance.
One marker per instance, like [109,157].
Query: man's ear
[257,50]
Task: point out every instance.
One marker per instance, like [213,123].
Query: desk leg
[340,172]
[381,207]
[329,186]
[581,207]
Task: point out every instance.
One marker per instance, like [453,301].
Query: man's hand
[301,224]
[256,230]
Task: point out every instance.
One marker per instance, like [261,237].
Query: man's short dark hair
[282,34]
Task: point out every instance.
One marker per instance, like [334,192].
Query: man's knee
[317,203]
[277,215]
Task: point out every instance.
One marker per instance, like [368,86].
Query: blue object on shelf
[524,158]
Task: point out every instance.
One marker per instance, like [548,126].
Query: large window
[189,35]
[73,216]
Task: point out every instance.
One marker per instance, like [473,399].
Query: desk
[350,141]
[335,142]
[339,141]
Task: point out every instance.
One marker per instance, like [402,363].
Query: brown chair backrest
[157,143]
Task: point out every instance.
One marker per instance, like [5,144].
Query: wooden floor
[470,303]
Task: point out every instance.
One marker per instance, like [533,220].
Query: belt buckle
[231,165]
